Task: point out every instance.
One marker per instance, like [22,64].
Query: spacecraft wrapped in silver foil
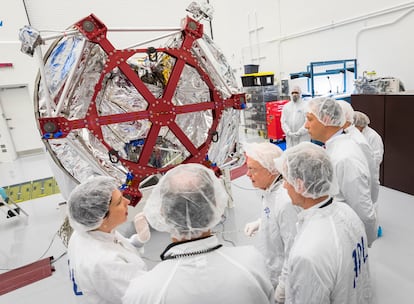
[135,113]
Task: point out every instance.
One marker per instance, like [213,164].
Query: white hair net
[264,153]
[348,110]
[327,110]
[89,202]
[361,119]
[308,168]
[188,200]
[297,89]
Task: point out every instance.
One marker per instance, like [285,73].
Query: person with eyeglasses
[276,227]
[293,119]
[102,262]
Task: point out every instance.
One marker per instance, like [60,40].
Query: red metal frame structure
[161,112]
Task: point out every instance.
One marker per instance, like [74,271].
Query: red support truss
[161,112]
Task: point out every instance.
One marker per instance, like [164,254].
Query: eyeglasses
[295,93]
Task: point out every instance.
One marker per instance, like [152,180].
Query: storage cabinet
[391,116]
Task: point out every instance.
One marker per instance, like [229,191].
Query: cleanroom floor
[26,240]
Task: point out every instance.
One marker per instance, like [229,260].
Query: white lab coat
[375,141]
[354,180]
[224,275]
[293,120]
[328,262]
[102,265]
[361,141]
[277,229]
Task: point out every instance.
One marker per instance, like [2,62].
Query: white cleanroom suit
[293,120]
[102,265]
[376,143]
[328,262]
[199,271]
[277,229]
[361,141]
[354,180]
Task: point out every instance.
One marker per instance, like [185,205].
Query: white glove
[280,293]
[251,228]
[134,240]
[142,228]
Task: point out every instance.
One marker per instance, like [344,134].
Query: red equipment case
[273,115]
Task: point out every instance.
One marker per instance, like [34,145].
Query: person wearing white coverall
[276,227]
[293,119]
[374,139]
[101,261]
[325,120]
[363,144]
[188,202]
[376,144]
[328,261]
